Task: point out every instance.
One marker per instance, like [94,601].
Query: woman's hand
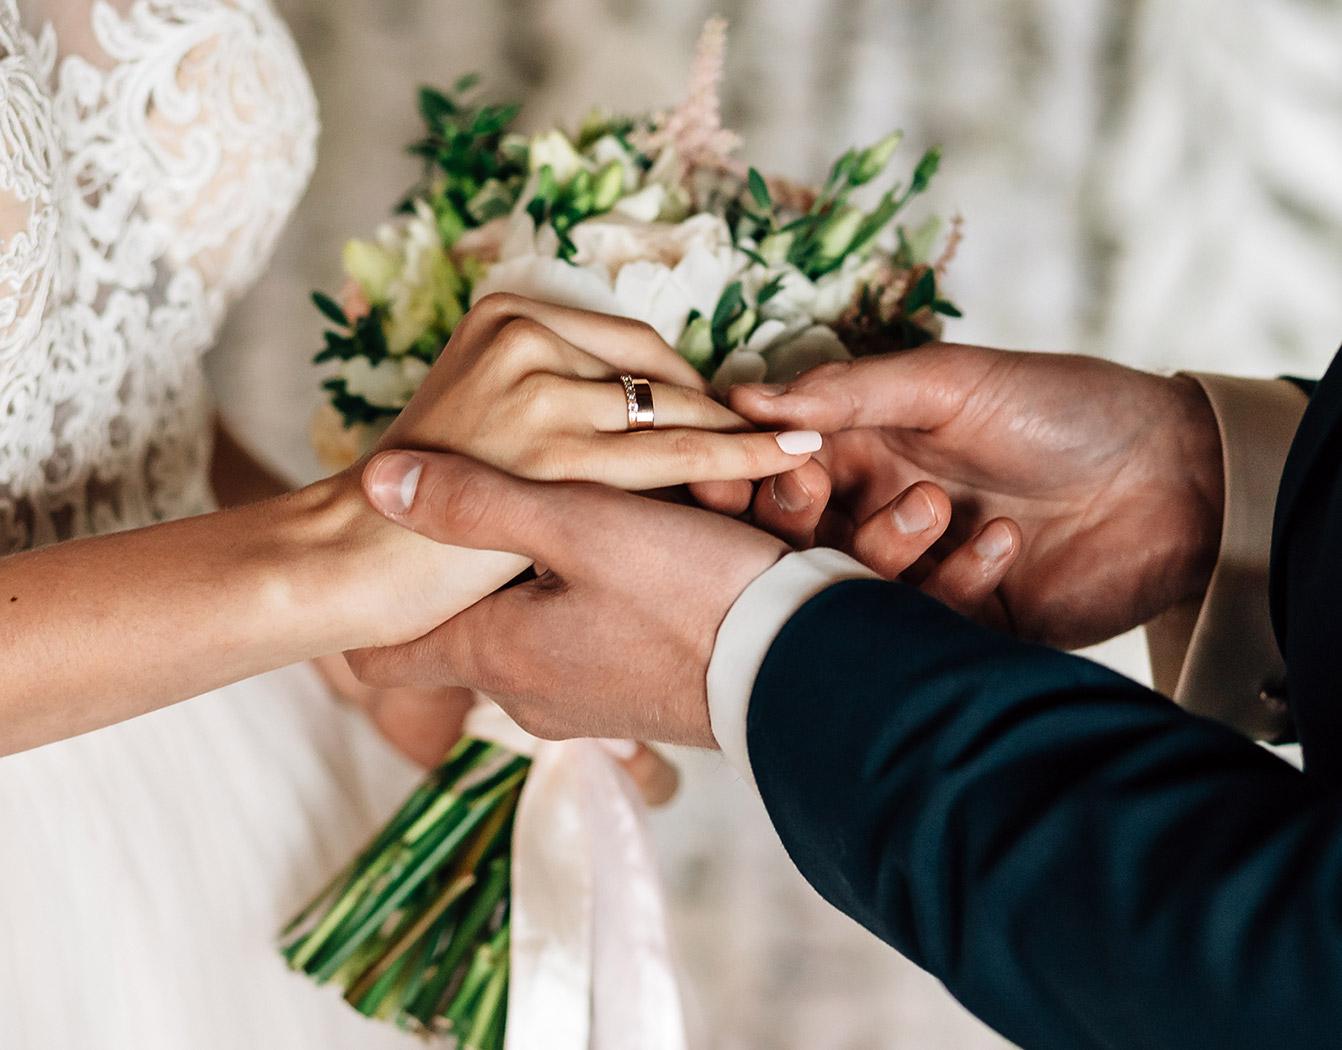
[534,390]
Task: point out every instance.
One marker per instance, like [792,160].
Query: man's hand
[614,637]
[1113,475]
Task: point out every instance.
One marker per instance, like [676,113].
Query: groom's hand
[614,637]
[1114,475]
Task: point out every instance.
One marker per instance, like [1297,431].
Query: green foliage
[463,151]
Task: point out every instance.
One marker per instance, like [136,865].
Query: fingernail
[623,750]
[914,513]
[799,442]
[393,484]
[790,495]
[770,389]
[994,542]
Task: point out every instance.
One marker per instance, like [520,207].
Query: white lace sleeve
[152,150]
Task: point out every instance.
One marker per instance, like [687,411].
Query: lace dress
[150,152]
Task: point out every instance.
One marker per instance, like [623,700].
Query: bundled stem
[416,929]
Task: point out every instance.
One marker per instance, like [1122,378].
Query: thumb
[458,501]
[914,389]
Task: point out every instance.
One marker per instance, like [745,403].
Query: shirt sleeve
[1218,657]
[749,629]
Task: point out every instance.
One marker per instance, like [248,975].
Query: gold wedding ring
[638,400]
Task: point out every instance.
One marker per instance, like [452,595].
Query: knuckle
[496,305]
[540,398]
[521,342]
[456,500]
[690,453]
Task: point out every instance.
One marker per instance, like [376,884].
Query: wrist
[1200,466]
[371,582]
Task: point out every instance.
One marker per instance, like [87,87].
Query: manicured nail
[769,389]
[995,542]
[623,750]
[914,512]
[392,486]
[799,442]
[790,495]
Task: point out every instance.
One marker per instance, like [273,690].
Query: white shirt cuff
[749,629]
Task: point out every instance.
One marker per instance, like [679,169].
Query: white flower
[608,149]
[815,346]
[553,149]
[390,383]
[835,292]
[550,280]
[654,272]
[644,206]
[740,366]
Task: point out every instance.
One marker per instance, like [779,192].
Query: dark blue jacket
[1082,863]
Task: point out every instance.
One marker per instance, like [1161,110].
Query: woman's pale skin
[99,630]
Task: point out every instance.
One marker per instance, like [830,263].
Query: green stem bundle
[416,929]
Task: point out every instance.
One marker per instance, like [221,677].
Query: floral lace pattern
[150,152]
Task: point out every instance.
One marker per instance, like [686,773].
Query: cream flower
[390,383]
[654,272]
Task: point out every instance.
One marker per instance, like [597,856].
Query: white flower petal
[768,333]
[650,292]
[549,280]
[643,206]
[812,347]
[740,366]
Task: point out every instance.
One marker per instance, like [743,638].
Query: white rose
[390,383]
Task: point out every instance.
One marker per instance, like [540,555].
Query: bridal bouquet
[652,217]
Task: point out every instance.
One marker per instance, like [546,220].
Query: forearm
[99,630]
[1081,862]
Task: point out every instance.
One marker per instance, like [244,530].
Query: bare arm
[95,631]
[99,630]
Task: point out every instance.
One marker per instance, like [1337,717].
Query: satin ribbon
[591,964]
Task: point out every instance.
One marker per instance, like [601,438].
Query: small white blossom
[390,383]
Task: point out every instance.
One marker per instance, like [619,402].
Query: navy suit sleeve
[1082,863]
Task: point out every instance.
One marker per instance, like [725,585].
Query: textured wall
[1159,181]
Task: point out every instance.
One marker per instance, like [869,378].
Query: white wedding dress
[150,152]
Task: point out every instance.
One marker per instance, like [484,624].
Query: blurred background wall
[1156,181]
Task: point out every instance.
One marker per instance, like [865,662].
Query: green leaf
[731,303]
[759,189]
[753,256]
[946,308]
[330,308]
[923,293]
[434,106]
[926,170]
[465,83]
[769,290]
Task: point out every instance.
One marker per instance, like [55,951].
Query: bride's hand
[534,390]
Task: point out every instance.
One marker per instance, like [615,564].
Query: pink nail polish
[799,442]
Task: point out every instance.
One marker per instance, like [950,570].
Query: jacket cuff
[1218,657]
[749,629]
